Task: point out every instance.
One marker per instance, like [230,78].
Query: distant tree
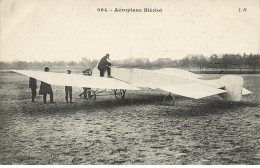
[214,61]
[59,63]
[225,61]
[72,63]
[85,62]
[93,64]
[138,62]
[239,61]
[185,62]
[253,61]
[194,61]
[202,63]
[4,65]
[20,64]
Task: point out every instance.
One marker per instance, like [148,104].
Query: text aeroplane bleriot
[171,80]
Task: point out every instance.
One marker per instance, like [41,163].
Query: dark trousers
[68,91]
[45,95]
[33,93]
[102,71]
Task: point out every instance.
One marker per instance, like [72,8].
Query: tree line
[214,62]
[226,61]
[85,63]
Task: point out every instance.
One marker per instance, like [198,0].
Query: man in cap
[45,89]
[104,65]
[68,90]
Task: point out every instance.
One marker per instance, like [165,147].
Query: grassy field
[139,130]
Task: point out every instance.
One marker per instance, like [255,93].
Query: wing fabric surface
[184,86]
[195,91]
[62,79]
[178,72]
[153,79]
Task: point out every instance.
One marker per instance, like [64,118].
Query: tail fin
[233,85]
[245,91]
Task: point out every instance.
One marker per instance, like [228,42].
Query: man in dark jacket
[33,86]
[104,65]
[45,89]
[68,90]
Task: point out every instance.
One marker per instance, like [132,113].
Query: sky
[69,30]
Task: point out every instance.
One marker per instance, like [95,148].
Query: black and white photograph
[118,82]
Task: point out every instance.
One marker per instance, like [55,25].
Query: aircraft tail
[234,86]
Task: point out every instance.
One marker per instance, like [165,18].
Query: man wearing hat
[104,65]
[45,89]
[68,90]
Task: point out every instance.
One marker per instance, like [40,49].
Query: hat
[107,55]
[46,69]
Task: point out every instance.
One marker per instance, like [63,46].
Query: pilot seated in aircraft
[104,65]
[45,89]
[68,90]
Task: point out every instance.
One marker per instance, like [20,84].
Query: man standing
[33,86]
[104,65]
[45,89]
[68,90]
[87,72]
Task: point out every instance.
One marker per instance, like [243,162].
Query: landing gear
[169,100]
[119,94]
[91,96]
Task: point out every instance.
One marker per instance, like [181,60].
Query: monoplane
[170,80]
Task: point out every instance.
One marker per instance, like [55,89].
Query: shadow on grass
[207,107]
[183,107]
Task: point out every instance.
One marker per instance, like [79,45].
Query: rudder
[233,85]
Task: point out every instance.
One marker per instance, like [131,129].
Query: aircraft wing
[154,79]
[178,72]
[62,79]
[174,83]
[195,91]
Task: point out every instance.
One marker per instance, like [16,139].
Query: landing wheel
[169,100]
[91,96]
[119,94]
